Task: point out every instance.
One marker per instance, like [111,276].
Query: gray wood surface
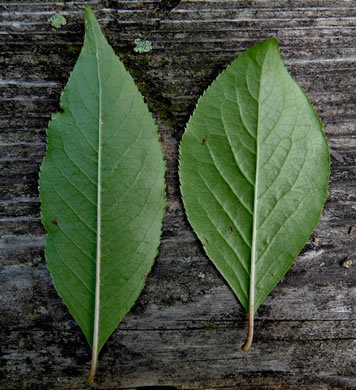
[187,328]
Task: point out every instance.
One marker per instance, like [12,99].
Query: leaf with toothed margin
[254,171]
[102,191]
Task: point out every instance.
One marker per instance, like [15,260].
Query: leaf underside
[254,171]
[102,181]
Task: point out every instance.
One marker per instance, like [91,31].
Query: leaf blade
[102,190]
[262,139]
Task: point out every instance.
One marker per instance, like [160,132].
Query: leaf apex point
[87,8]
[273,39]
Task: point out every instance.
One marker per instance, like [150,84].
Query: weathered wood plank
[187,328]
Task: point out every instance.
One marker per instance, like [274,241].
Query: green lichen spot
[142,46]
[57,21]
[37,259]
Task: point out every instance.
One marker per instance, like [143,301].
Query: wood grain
[186,329]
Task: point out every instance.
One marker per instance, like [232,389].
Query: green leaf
[254,171]
[102,191]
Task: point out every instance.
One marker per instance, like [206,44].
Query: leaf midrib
[251,305]
[98,222]
[255,202]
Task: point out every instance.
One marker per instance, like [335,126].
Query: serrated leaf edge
[251,310]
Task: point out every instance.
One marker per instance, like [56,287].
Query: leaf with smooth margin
[254,172]
[102,191]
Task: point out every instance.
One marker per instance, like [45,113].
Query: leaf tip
[87,12]
[90,18]
[273,40]
[87,9]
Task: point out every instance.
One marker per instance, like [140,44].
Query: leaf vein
[71,208]
[75,275]
[147,232]
[124,154]
[242,119]
[75,187]
[104,245]
[74,243]
[228,183]
[82,132]
[235,159]
[281,226]
[126,191]
[233,251]
[221,205]
[79,168]
[273,208]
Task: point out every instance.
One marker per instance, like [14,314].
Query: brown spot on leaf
[55,222]
[203,141]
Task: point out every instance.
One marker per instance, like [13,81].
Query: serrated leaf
[254,172]
[102,191]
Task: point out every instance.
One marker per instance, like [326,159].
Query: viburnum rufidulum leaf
[102,191]
[254,172]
